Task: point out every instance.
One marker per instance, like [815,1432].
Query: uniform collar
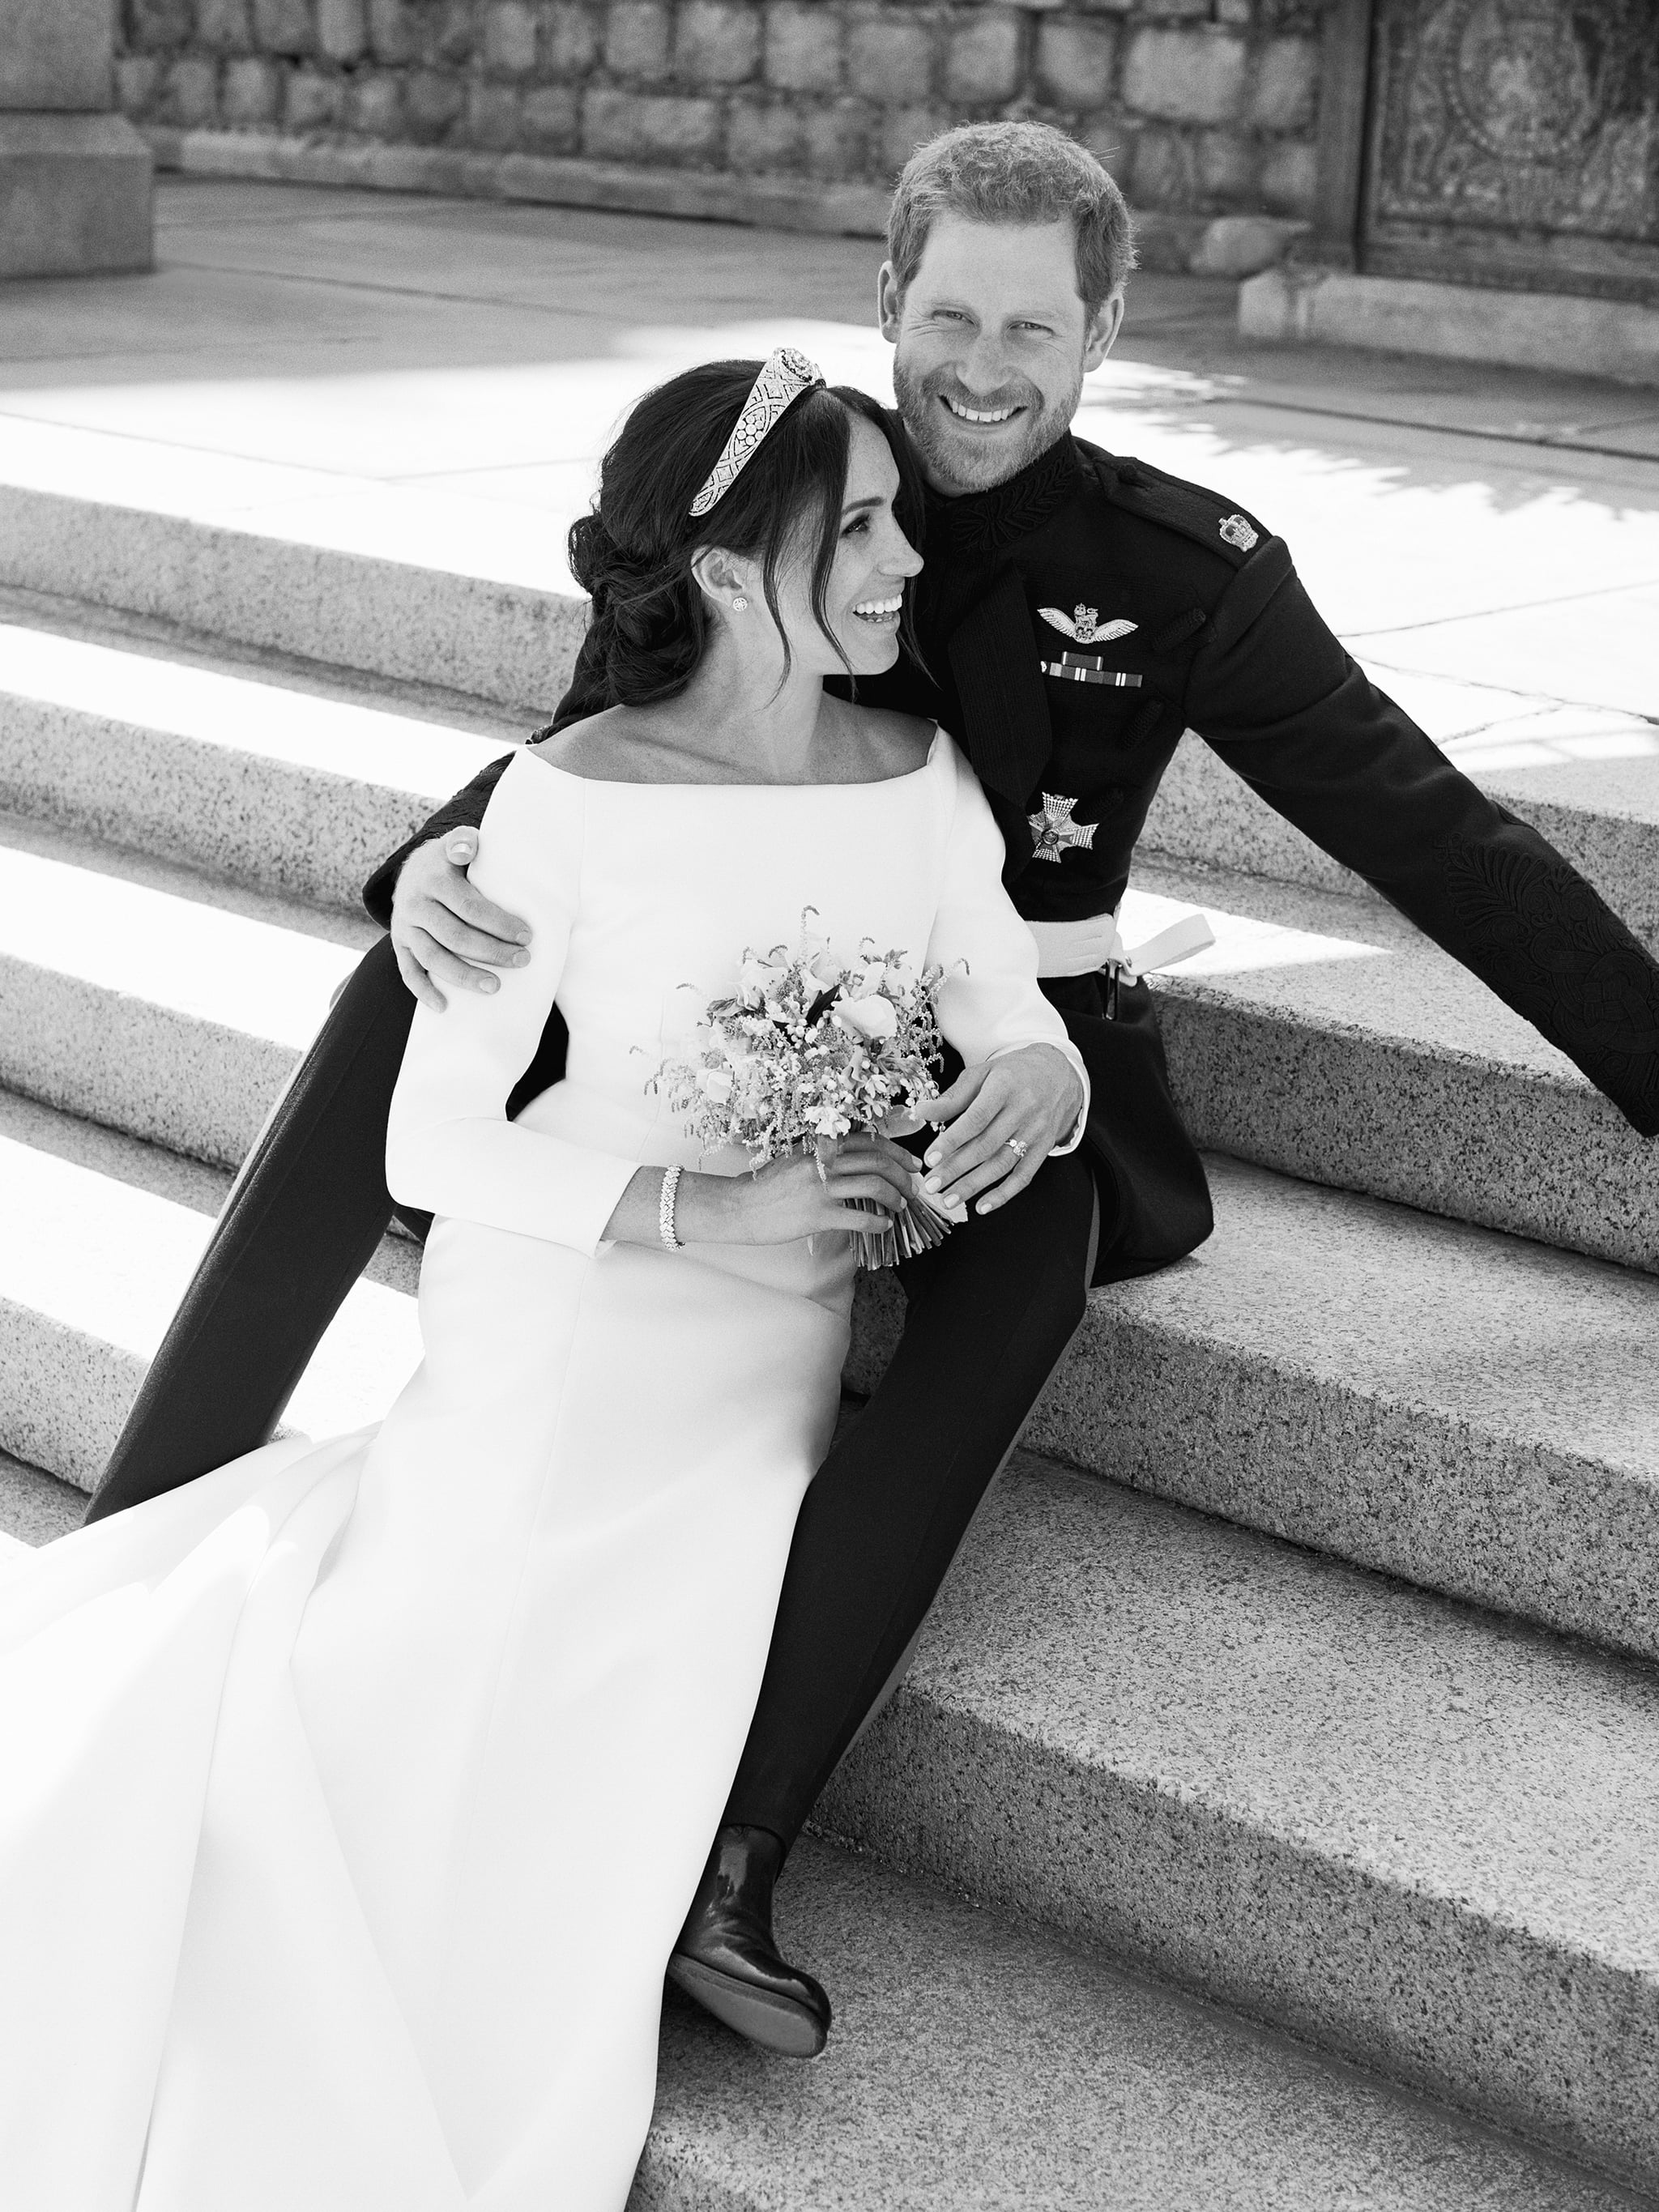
[982,522]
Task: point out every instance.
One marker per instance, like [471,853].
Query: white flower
[715,1083]
[871,1017]
[826,969]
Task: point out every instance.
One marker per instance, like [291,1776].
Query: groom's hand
[443,931]
[1029,1098]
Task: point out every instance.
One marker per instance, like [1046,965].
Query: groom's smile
[993,342]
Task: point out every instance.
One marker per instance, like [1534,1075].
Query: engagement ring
[1018,1147]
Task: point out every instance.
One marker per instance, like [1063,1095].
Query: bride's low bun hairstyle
[634,553]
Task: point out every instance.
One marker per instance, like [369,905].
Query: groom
[1077,612]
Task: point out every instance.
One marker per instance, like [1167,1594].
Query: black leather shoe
[726,1958]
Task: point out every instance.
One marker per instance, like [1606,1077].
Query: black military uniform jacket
[1185,612]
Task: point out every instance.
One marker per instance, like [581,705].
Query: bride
[352,1797]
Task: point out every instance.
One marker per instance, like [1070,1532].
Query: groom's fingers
[473,927]
[419,983]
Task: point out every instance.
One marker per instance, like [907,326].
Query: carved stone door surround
[1509,142]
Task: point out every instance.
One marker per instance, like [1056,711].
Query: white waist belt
[1080,948]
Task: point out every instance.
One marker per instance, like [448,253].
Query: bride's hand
[793,1198]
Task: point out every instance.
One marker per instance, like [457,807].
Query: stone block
[1242,245]
[716,41]
[572,35]
[984,59]
[190,92]
[889,57]
[311,102]
[1242,12]
[284,26]
[56,55]
[74,195]
[803,46]
[1288,178]
[433,99]
[1074,62]
[1165,174]
[1185,76]
[342,30]
[492,116]
[636,36]
[374,104]
[251,90]
[138,80]
[451,35]
[224,27]
[838,138]
[904,129]
[550,119]
[392,37]
[765,136]
[509,39]
[628,126]
[1455,322]
[155,27]
[1229,164]
[1286,91]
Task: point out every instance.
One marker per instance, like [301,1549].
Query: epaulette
[1154,495]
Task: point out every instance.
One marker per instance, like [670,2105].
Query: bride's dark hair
[633,552]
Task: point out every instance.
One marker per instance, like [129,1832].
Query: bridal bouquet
[810,1048]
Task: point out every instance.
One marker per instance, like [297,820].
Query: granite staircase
[1270,1816]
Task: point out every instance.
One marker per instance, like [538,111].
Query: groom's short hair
[1014,172]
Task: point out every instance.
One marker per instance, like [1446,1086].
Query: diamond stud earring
[740,605]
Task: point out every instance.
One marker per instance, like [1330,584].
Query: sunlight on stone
[1241,943]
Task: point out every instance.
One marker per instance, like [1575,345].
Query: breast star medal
[1054,830]
[1083,627]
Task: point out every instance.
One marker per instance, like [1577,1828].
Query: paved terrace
[433,380]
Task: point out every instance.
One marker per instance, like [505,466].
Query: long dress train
[352,1797]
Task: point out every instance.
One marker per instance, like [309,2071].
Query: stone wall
[1202,107]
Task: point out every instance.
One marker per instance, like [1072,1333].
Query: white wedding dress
[352,1797]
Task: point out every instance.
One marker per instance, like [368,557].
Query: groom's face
[993,343]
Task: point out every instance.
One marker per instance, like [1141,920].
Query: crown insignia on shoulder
[1084,626]
[1237,531]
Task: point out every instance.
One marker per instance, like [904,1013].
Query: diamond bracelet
[671,1184]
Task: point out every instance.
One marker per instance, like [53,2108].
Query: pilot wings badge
[1084,626]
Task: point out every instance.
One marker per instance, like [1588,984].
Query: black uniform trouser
[987,1316]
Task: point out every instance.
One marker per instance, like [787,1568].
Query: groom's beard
[958,460]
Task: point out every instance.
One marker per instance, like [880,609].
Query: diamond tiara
[785,375]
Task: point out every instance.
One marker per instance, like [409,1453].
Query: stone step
[974,2064]
[470,594]
[1325,1036]
[1472,1413]
[265,770]
[101,1236]
[1418,1835]
[157,1000]
[1587,779]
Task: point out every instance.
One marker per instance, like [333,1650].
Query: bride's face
[874,561]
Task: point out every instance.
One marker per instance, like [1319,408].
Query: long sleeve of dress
[450,1147]
[988,1002]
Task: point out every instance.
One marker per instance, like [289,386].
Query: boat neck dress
[353,1795]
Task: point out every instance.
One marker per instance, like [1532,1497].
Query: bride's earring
[740,605]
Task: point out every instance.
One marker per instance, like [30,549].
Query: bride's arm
[450,1147]
[989,1004]
[1024,1089]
